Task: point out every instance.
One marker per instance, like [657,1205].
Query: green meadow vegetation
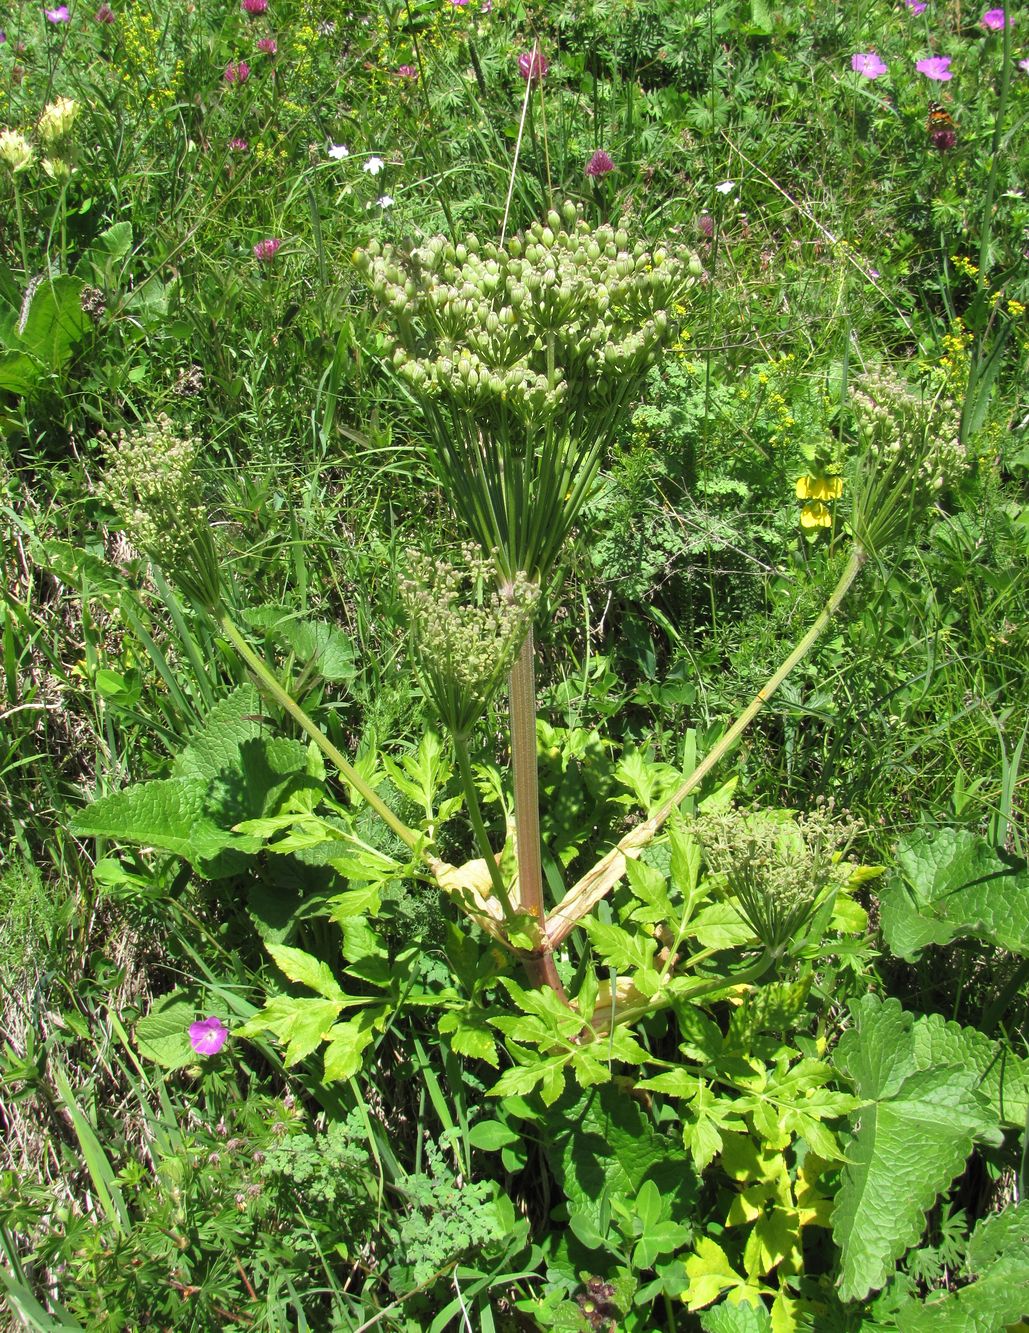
[514,623]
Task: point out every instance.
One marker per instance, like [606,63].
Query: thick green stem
[479,827]
[712,986]
[526,786]
[596,883]
[408,836]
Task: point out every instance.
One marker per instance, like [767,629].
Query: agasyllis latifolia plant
[521,359]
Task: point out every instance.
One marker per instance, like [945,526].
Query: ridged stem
[596,883]
[272,687]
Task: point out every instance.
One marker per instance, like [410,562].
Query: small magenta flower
[935,67]
[267,249]
[407,72]
[239,145]
[1024,64]
[487,6]
[458,4]
[238,73]
[3,36]
[254,6]
[868,64]
[599,164]
[267,46]
[208,1035]
[105,14]
[533,65]
[706,225]
[58,15]
[994,20]
[916,6]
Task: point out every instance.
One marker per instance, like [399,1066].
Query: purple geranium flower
[208,1035]
[994,20]
[868,64]
[916,6]
[58,15]
[935,67]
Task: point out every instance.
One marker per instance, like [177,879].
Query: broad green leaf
[742,1317]
[476,1042]
[19,373]
[602,1147]
[300,1023]
[227,775]
[55,322]
[172,815]
[720,926]
[215,749]
[327,647]
[711,1275]
[620,949]
[163,1035]
[950,884]
[491,1135]
[908,1143]
[307,971]
[98,262]
[662,1238]
[1003,1077]
[347,1044]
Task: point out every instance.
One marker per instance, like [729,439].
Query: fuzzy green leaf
[907,1145]
[740,1318]
[171,815]
[951,884]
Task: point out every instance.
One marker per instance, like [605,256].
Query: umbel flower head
[151,484]
[465,639]
[523,359]
[779,866]
[910,450]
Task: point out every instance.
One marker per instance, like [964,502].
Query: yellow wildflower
[819,488]
[815,515]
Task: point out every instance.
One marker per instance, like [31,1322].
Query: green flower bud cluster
[151,484]
[779,866]
[523,359]
[558,320]
[464,639]
[911,450]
